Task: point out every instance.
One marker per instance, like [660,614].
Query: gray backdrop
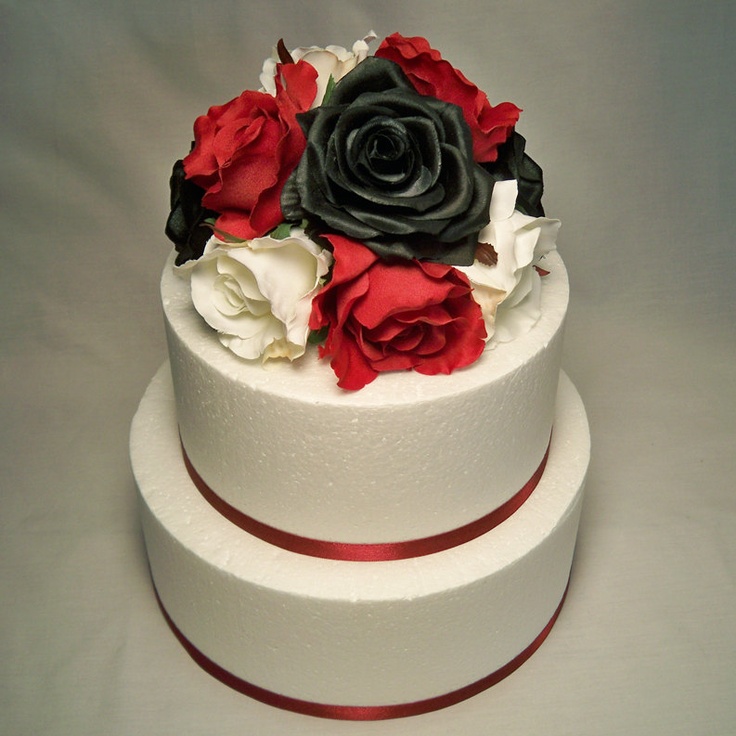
[628,106]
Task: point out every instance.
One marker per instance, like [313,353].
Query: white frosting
[406,457]
[352,633]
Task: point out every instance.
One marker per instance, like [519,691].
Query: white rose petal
[331,61]
[258,294]
[509,292]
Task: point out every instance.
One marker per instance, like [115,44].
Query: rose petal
[432,75]
[395,316]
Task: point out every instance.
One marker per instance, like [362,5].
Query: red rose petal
[432,75]
[394,316]
[351,368]
[246,149]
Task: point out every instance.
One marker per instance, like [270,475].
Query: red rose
[432,75]
[394,315]
[245,150]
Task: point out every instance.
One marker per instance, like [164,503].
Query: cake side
[406,457]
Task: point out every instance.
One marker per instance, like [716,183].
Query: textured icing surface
[350,632]
[406,457]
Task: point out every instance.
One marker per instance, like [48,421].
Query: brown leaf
[486,254]
[284,56]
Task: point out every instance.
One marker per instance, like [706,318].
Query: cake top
[377,206]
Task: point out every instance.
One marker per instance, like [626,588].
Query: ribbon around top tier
[366,552]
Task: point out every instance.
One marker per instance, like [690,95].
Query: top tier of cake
[409,456]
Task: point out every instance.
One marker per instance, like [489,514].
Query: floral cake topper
[377,205]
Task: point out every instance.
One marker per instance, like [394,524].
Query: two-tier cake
[361,469]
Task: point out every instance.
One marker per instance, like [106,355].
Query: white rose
[509,292]
[332,61]
[258,294]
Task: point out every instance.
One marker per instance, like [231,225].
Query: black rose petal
[513,163]
[391,168]
[185,226]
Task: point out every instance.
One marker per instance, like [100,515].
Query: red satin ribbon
[360,712]
[359,552]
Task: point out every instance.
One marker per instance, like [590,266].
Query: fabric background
[629,108]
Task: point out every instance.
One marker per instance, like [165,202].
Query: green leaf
[281,232]
[318,336]
[329,89]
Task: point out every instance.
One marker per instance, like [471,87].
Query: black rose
[391,168]
[185,226]
[513,163]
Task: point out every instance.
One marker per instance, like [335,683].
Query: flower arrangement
[376,205]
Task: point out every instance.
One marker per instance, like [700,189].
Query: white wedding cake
[396,534]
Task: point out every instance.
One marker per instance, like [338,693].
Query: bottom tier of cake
[356,640]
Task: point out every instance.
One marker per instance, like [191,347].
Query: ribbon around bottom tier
[366,552]
[360,712]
